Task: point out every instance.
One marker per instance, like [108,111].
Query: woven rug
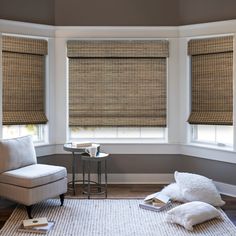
[110,218]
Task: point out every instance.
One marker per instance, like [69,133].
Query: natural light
[121,132]
[213,134]
[13,131]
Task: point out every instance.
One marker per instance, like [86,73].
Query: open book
[157,199]
[155,202]
[37,229]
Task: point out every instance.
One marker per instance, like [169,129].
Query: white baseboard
[226,189]
[132,178]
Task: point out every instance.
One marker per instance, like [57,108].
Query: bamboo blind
[212,81]
[120,48]
[23,81]
[25,45]
[120,88]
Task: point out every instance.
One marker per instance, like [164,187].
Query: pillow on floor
[192,213]
[173,192]
[198,188]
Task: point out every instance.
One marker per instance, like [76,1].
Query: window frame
[189,133]
[44,129]
[194,139]
[165,138]
[124,139]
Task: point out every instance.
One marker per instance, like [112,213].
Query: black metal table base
[95,189]
[89,185]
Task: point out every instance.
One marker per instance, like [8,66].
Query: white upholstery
[16,153]
[22,179]
[33,175]
[30,196]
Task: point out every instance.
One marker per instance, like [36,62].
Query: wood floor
[118,192]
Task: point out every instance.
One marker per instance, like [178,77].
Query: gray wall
[200,11]
[118,12]
[36,11]
[218,171]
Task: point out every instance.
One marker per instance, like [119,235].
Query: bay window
[117,88]
[212,90]
[23,93]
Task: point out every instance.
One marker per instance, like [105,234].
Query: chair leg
[62,197]
[29,210]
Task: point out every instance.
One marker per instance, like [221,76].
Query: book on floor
[37,229]
[35,222]
[151,207]
[156,202]
[157,199]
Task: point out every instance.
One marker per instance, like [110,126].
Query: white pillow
[192,213]
[16,153]
[198,188]
[173,192]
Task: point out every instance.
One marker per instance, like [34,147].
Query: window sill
[210,152]
[211,146]
[152,148]
[41,144]
[45,149]
[122,140]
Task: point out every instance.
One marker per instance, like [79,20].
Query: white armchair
[23,180]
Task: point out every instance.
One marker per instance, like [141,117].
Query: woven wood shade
[117,91]
[23,83]
[210,45]
[212,81]
[24,45]
[114,48]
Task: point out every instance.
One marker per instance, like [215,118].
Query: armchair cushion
[16,153]
[33,175]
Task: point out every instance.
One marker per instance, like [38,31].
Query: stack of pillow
[199,195]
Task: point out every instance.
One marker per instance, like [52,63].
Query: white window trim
[221,145]
[187,81]
[49,73]
[178,84]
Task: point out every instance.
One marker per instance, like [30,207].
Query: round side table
[92,187]
[76,153]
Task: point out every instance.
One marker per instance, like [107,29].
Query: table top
[70,148]
[99,157]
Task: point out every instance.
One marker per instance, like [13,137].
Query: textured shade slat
[211,118]
[23,88]
[24,117]
[117,92]
[119,122]
[212,85]
[210,45]
[114,48]
[24,45]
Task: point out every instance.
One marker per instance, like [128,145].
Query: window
[212,90]
[123,132]
[23,91]
[13,131]
[213,134]
[117,88]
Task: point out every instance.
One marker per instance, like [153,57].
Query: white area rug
[110,218]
